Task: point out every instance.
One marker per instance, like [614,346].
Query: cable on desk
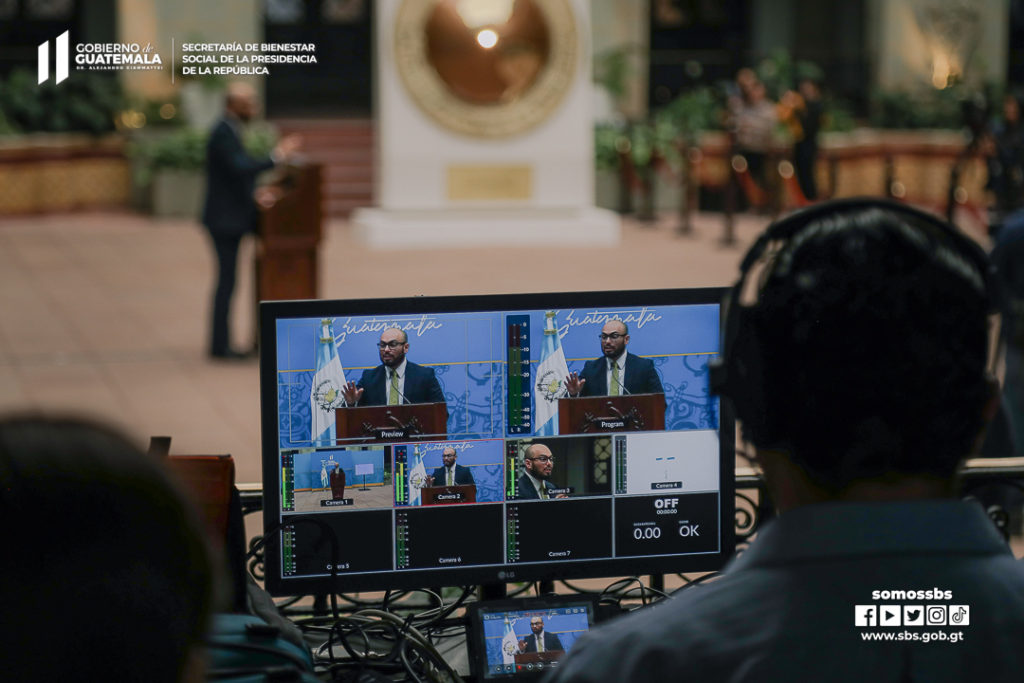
[694,582]
[442,610]
[576,589]
[409,645]
[657,596]
[524,588]
[615,586]
[347,597]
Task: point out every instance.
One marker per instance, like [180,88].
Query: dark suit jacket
[421,386]
[230,209]
[525,490]
[551,642]
[641,377]
[462,476]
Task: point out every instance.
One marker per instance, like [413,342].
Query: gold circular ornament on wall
[488,68]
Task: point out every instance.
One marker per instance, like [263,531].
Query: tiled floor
[106,314]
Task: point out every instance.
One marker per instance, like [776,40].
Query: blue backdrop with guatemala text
[464,349]
[681,340]
[485,460]
[468,352]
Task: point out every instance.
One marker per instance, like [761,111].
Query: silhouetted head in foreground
[105,573]
[855,351]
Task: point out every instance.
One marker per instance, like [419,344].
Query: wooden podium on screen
[629,413]
[392,423]
[524,658]
[446,495]
[290,232]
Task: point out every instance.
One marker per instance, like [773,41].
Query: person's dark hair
[106,572]
[872,327]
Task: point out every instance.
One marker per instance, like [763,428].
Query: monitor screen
[510,640]
[461,440]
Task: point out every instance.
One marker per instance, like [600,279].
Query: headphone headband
[978,268]
[739,373]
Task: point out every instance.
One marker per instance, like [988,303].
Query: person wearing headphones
[855,355]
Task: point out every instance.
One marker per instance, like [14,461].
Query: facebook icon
[865,615]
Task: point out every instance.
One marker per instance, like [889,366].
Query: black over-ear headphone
[738,373]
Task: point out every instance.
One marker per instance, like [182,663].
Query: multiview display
[465,440]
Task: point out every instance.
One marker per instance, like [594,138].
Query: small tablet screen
[522,639]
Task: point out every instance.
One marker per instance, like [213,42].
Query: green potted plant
[171,166]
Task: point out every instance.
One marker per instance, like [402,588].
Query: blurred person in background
[230,210]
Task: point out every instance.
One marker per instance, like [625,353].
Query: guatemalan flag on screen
[417,478]
[509,644]
[325,395]
[551,375]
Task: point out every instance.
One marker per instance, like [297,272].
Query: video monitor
[516,640]
[488,439]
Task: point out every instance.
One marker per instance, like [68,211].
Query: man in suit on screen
[540,640]
[396,380]
[616,372]
[451,473]
[535,483]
